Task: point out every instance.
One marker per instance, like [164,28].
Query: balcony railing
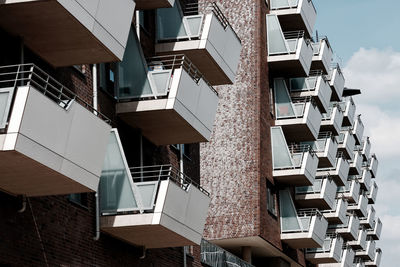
[377,260]
[361,241]
[350,191]
[215,256]
[203,33]
[336,79]
[315,86]
[367,254]
[375,232]
[338,172]
[373,165]
[348,230]
[346,143]
[337,215]
[295,14]
[322,55]
[288,52]
[372,193]
[358,130]
[332,120]
[330,252]
[349,111]
[365,147]
[356,164]
[320,195]
[326,149]
[57,134]
[359,208]
[364,179]
[368,221]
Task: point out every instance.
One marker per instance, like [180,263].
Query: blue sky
[365,35]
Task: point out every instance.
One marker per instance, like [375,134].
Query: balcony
[372,193]
[322,55]
[314,86]
[153,207]
[206,38]
[376,230]
[326,148]
[66,33]
[346,259]
[348,230]
[300,228]
[346,143]
[153,4]
[377,260]
[358,130]
[364,179]
[365,147]
[332,119]
[336,81]
[358,262]
[296,165]
[359,208]
[361,241]
[337,215]
[299,118]
[289,53]
[349,111]
[373,165]
[368,221]
[350,191]
[51,141]
[330,252]
[320,195]
[356,164]
[367,254]
[294,15]
[338,172]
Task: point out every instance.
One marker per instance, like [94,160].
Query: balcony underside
[292,177]
[153,4]
[313,201]
[49,30]
[319,65]
[318,258]
[160,125]
[334,218]
[291,20]
[287,65]
[329,126]
[21,175]
[324,161]
[138,230]
[296,131]
[301,240]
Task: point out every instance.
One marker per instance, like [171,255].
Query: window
[185,149]
[79,199]
[145,20]
[271,199]
[107,77]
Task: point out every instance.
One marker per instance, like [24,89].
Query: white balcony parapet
[289,53]
[361,241]
[364,179]
[153,4]
[202,33]
[373,165]
[346,143]
[320,195]
[52,142]
[356,163]
[358,262]
[346,259]
[337,81]
[368,221]
[367,254]
[326,149]
[349,109]
[66,33]
[315,86]
[348,230]
[377,260]
[299,118]
[296,165]
[338,172]
[337,215]
[295,14]
[372,193]
[359,208]
[350,191]
[332,119]
[375,232]
[330,252]
[366,147]
[300,228]
[322,55]
[150,206]
[358,130]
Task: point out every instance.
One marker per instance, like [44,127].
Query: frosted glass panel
[315,188]
[161,81]
[316,47]
[276,4]
[194,23]
[276,41]
[292,45]
[283,104]
[281,155]
[289,220]
[5,104]
[147,192]
[133,81]
[170,23]
[116,192]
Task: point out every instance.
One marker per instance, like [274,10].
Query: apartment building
[179,133]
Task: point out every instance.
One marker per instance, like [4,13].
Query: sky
[365,37]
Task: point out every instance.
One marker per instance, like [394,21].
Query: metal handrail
[172,62]
[295,148]
[30,74]
[308,212]
[164,172]
[293,34]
